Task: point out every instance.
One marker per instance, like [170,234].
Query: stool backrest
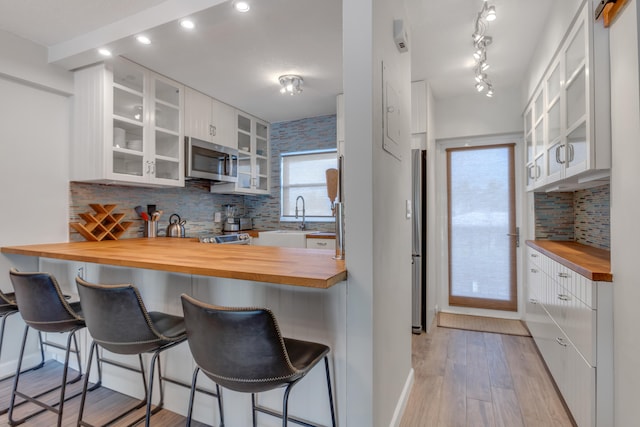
[117,318]
[41,302]
[239,348]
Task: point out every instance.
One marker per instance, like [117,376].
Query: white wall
[625,205]
[378,243]
[34,140]
[432,233]
[475,114]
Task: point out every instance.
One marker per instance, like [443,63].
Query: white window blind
[304,174]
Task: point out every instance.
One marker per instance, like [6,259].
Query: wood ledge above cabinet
[592,263]
[313,268]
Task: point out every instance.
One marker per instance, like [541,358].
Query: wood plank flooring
[462,378]
[102,404]
[469,379]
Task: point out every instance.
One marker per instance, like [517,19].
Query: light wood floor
[102,404]
[465,378]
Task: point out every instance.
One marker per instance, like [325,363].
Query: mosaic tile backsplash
[196,204]
[582,216]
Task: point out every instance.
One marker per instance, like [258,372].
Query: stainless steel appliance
[227,239]
[418,252]
[210,161]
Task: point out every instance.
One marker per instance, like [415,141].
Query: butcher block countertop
[313,268]
[590,262]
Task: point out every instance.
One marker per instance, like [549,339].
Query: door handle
[516,235]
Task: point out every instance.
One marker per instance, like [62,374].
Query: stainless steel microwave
[210,161]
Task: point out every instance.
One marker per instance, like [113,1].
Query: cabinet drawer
[321,244]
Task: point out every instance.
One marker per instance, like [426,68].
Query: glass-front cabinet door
[147,126]
[167,149]
[253,154]
[128,121]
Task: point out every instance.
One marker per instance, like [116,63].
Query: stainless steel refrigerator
[418,252]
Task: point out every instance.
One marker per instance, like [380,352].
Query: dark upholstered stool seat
[242,349]
[118,321]
[44,308]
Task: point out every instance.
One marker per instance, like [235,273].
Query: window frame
[292,218]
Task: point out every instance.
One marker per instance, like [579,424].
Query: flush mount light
[104,52]
[187,24]
[241,6]
[290,84]
[143,39]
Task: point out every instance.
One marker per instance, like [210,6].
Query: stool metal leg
[12,377]
[34,399]
[333,414]
[192,394]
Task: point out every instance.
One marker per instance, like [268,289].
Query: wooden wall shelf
[101,225]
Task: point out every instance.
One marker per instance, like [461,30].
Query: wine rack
[104,224]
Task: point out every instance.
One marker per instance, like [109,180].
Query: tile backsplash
[582,216]
[195,203]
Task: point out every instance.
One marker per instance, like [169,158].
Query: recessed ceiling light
[143,39]
[104,52]
[242,6]
[188,24]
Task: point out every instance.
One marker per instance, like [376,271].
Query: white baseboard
[402,401]
[9,368]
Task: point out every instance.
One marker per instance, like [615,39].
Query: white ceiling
[237,58]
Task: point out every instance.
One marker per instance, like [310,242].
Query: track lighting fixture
[480,43]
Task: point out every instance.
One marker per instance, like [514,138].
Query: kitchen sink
[285,238]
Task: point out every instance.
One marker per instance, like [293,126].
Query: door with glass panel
[482,228]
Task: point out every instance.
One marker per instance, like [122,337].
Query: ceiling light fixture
[104,52]
[143,39]
[187,24]
[291,84]
[241,6]
[480,43]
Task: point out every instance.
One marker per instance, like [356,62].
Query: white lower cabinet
[321,243]
[570,319]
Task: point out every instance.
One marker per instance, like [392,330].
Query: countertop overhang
[590,262]
[313,268]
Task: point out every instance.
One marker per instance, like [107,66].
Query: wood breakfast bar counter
[305,288]
[287,266]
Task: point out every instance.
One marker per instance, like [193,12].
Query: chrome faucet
[302,226]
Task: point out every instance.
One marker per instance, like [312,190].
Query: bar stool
[9,307]
[119,322]
[242,349]
[44,308]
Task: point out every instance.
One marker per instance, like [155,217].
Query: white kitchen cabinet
[574,98]
[254,157]
[570,319]
[127,126]
[209,119]
[534,142]
[313,243]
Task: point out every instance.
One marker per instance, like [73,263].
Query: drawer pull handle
[534,255]
[533,300]
[563,275]
[563,297]
[533,270]
[321,243]
[560,341]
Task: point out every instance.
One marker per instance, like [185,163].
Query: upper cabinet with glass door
[128,126]
[254,157]
[577,137]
